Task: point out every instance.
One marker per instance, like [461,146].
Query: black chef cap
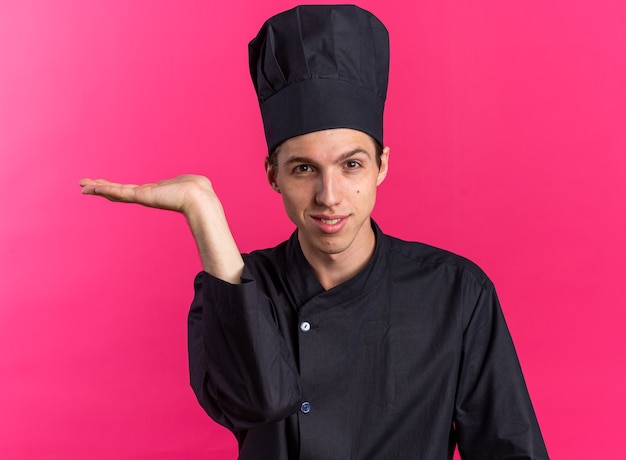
[318,67]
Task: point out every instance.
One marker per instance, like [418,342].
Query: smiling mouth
[330,221]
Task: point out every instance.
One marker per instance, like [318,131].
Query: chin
[333,247]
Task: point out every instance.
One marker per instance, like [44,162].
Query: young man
[342,342]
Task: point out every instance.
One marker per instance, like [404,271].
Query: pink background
[507,123]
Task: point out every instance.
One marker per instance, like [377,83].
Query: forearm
[240,368]
[494,414]
[217,248]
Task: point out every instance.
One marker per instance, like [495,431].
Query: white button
[305,408]
[305,326]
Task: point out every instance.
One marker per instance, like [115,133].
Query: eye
[303,168]
[352,164]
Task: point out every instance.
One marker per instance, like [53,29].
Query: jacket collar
[304,285]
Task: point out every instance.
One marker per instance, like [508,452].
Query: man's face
[328,182]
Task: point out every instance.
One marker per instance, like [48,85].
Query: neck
[334,269]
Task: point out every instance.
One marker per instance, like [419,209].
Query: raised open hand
[193,196]
[178,194]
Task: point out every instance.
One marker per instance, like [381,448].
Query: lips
[330,224]
[330,221]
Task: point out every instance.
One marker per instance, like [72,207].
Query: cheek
[294,198]
[365,196]
[290,209]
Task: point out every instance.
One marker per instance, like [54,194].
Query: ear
[384,166]
[271,175]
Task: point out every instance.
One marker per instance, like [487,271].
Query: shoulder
[268,263]
[424,256]
[267,256]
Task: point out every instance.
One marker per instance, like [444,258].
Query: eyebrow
[342,157]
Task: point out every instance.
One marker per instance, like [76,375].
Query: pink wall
[507,122]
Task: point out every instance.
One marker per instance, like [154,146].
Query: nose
[328,191]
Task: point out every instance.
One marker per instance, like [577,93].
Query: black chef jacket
[403,361]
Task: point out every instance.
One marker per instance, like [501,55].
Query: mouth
[330,224]
[329,221]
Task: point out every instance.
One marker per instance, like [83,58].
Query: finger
[113,184]
[112,192]
[102,186]
[117,192]
[88,181]
[85,181]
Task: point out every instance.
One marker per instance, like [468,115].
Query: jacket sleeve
[240,368]
[494,417]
